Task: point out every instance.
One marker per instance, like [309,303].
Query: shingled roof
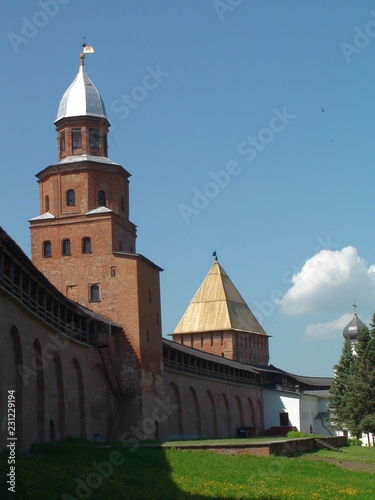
[218,306]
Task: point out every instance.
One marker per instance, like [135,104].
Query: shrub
[354,442]
[297,434]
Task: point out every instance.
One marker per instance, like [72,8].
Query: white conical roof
[218,305]
[81,98]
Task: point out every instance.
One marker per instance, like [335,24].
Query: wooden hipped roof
[218,306]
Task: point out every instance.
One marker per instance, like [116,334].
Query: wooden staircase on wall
[114,424]
[110,369]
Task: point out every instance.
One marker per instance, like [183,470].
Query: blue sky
[229,149]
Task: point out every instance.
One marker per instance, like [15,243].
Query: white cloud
[328,282]
[330,330]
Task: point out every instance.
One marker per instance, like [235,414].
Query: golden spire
[86,49]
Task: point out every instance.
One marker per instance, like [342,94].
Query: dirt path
[345,464]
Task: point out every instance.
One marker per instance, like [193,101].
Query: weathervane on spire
[355,308]
[214,255]
[86,49]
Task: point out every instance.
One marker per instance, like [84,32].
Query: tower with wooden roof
[219,321]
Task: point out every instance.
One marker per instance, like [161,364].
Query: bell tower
[85,244]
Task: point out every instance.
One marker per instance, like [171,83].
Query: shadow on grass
[80,469]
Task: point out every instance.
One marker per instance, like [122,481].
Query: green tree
[363,406]
[367,425]
[341,389]
[356,405]
[352,400]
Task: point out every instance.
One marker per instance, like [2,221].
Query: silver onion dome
[81,98]
[353,329]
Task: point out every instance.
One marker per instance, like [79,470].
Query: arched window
[101,198]
[94,293]
[66,247]
[86,245]
[46,203]
[47,249]
[70,198]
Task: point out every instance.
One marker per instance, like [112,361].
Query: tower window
[94,139]
[94,293]
[70,198]
[105,145]
[62,142]
[47,249]
[86,245]
[101,199]
[66,247]
[76,139]
[46,203]
[122,204]
[120,246]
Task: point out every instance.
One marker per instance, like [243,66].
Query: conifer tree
[358,388]
[341,389]
[364,381]
[352,401]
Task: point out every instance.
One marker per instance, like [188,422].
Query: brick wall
[201,407]
[45,367]
[244,347]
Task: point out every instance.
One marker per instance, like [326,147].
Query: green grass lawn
[227,441]
[86,470]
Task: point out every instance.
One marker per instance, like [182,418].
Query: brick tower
[85,244]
